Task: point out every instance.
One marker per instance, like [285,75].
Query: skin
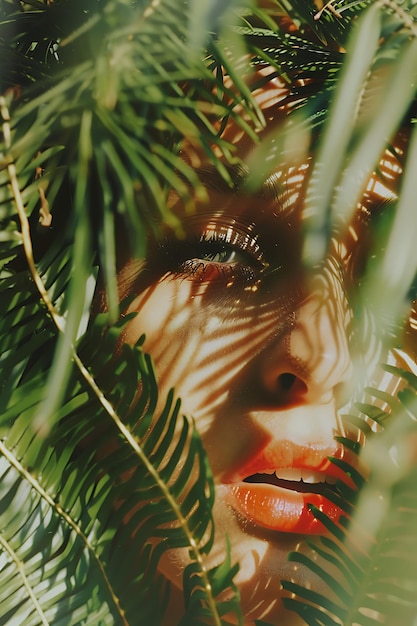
[262,352]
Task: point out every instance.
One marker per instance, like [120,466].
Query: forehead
[278,196]
[281,194]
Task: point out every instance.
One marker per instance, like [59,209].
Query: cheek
[163,311]
[197,348]
[200,338]
[174,322]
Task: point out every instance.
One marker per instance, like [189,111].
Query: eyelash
[239,255]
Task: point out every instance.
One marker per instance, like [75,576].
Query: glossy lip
[279,508]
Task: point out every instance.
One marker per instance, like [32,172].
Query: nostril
[291,384]
[286,381]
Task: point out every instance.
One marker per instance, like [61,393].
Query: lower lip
[281,509]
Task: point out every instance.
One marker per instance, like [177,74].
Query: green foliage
[97,98]
[77,548]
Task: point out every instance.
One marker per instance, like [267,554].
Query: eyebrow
[238,175]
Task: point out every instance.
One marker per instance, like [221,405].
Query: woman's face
[259,349]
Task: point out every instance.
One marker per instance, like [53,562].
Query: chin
[262,556]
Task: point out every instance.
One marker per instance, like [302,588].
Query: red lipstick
[273,490]
[281,509]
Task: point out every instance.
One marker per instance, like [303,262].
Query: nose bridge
[309,362]
[318,341]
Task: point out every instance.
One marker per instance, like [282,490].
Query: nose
[310,363]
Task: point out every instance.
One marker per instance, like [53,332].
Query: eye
[222,255]
[226,250]
[214,251]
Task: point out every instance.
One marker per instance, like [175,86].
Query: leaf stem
[67,518]
[407,21]
[24,222]
[137,448]
[20,566]
[27,246]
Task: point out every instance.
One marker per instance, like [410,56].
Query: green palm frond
[70,510]
[103,130]
[330,21]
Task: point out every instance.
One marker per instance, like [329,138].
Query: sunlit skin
[261,351]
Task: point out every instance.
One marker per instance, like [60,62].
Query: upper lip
[286,458]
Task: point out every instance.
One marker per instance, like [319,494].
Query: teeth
[313,477]
[289,474]
[307,476]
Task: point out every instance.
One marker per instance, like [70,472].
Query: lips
[278,497]
[284,509]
